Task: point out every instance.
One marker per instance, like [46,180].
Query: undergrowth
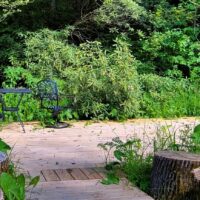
[134,157]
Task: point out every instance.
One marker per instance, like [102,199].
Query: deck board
[91,173]
[63,174]
[77,174]
[86,190]
[50,175]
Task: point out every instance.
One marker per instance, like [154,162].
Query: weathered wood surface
[50,175]
[91,173]
[173,178]
[77,174]
[86,190]
[63,175]
[71,174]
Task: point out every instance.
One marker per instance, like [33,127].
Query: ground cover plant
[13,184]
[133,158]
[119,58]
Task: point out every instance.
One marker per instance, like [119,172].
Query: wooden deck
[72,174]
[66,158]
[86,190]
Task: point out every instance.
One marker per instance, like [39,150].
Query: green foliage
[47,53]
[132,161]
[134,157]
[195,140]
[12,184]
[151,43]
[185,138]
[4,147]
[13,188]
[111,178]
[114,13]
[8,7]
[173,41]
[105,84]
[171,49]
[168,97]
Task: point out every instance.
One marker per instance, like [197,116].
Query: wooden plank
[86,190]
[63,174]
[50,175]
[91,173]
[77,174]
[101,171]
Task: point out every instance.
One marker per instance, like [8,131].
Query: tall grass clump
[168,97]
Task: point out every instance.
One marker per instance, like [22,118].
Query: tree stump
[175,176]
[4,165]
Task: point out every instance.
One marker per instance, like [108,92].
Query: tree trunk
[175,177]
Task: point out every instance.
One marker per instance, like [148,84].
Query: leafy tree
[8,7]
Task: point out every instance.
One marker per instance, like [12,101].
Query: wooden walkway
[66,159]
[72,174]
[86,190]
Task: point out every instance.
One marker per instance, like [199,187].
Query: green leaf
[196,134]
[118,154]
[4,147]
[9,186]
[21,180]
[34,181]
[197,129]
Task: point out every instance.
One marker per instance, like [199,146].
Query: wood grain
[77,174]
[63,174]
[50,175]
[91,173]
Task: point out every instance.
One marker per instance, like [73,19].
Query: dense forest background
[119,59]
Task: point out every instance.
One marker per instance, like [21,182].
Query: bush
[47,53]
[105,84]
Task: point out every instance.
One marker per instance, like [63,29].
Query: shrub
[47,53]
[105,84]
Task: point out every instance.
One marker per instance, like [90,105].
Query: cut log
[173,176]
